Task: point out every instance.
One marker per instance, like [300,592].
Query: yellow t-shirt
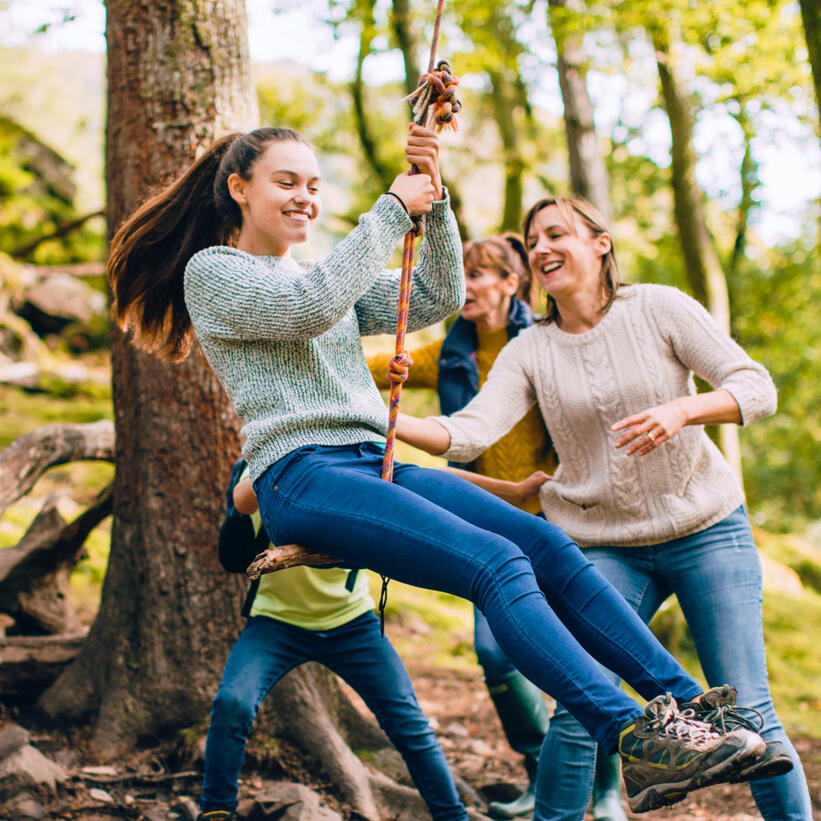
[310,597]
[524,450]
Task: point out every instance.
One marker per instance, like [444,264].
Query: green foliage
[775,301]
[37,198]
[792,633]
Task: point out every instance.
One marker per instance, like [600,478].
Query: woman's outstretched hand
[422,150]
[647,430]
[415,191]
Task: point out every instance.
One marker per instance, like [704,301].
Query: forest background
[695,126]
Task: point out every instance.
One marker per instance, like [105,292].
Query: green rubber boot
[525,720]
[607,804]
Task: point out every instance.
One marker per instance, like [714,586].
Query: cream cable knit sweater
[643,353]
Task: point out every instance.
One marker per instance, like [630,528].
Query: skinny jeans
[431,529]
[716,575]
[358,653]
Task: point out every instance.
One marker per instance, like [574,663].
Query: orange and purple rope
[436,106]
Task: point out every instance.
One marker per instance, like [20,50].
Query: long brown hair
[150,250]
[569,207]
[506,254]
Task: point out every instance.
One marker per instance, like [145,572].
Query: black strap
[383,600]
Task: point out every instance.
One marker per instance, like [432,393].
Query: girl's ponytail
[150,250]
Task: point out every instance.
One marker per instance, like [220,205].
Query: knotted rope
[435,106]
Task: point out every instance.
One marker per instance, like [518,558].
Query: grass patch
[792,635]
[23,412]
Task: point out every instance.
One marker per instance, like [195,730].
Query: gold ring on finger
[651,437]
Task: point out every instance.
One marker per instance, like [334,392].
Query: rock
[779,577]
[155,812]
[53,302]
[20,374]
[100,795]
[12,738]
[186,808]
[23,807]
[479,747]
[289,802]
[27,768]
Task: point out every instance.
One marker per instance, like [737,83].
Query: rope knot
[399,367]
[434,101]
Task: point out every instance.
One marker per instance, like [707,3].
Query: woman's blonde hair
[569,208]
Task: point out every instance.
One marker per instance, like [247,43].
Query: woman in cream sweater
[640,485]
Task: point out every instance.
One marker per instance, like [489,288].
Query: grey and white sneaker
[717,706]
[666,755]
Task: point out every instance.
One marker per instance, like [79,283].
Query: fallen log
[26,459]
[34,575]
[29,664]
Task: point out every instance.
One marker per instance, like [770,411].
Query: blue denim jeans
[431,529]
[267,649]
[716,575]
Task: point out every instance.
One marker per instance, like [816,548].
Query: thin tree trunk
[811,17]
[701,260]
[588,172]
[749,183]
[178,75]
[363,128]
[503,99]
[402,27]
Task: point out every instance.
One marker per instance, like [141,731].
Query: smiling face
[565,259]
[281,200]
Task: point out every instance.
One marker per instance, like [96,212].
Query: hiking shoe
[666,755]
[775,761]
[216,815]
[717,707]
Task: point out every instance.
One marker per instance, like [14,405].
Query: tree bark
[178,75]
[588,172]
[701,260]
[811,18]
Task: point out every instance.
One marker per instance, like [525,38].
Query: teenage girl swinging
[212,254]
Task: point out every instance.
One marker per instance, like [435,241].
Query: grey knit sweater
[641,354]
[283,337]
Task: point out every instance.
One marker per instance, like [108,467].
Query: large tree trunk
[811,17]
[701,260]
[588,172]
[178,75]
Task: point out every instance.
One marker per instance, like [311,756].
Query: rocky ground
[43,775]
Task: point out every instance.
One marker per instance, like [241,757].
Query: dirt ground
[471,735]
